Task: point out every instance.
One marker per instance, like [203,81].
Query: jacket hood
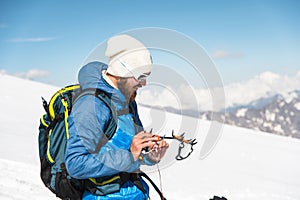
[90,76]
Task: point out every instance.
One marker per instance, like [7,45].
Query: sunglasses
[138,77]
[143,77]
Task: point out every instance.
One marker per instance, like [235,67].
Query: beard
[128,91]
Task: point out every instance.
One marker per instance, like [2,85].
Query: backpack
[53,136]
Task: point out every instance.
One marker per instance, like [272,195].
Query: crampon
[183,142]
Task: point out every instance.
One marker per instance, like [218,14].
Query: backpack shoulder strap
[106,99]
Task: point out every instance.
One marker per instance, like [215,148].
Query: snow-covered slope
[21,107]
[21,181]
[245,164]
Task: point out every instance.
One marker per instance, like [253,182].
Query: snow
[281,104]
[21,181]
[21,108]
[289,97]
[281,118]
[270,116]
[241,112]
[244,165]
[278,129]
[297,106]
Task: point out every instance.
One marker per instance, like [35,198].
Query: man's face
[128,86]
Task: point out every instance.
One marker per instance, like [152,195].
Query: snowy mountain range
[268,102]
[276,114]
[243,165]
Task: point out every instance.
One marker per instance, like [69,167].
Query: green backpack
[53,136]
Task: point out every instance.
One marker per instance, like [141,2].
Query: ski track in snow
[245,164]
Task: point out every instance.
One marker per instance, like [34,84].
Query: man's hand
[157,152]
[140,141]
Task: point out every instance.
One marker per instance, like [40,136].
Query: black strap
[57,118]
[64,172]
[153,185]
[104,96]
[135,179]
[83,92]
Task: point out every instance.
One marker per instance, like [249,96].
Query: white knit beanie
[128,57]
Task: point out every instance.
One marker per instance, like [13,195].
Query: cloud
[36,39]
[3,71]
[32,74]
[263,85]
[222,54]
[183,98]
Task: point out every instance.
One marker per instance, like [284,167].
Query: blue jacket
[88,119]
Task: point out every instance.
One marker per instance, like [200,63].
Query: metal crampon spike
[173,133]
[193,142]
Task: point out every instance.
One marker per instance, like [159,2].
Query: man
[109,164]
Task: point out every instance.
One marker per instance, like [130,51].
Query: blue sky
[244,38]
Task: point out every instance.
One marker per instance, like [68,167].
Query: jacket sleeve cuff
[146,160]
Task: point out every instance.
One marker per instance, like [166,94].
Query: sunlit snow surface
[245,164]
